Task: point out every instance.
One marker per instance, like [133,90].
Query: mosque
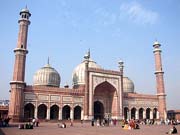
[95,93]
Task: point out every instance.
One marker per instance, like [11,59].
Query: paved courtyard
[52,129]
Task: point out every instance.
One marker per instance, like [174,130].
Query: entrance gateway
[105,97]
[98,110]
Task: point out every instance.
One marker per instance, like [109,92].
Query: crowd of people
[103,122]
[30,125]
[4,122]
[126,124]
[130,124]
[170,122]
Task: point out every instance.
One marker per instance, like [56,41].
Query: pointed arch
[155,113]
[54,112]
[66,112]
[141,110]
[107,94]
[101,80]
[104,88]
[126,113]
[42,111]
[148,110]
[77,113]
[133,113]
[29,111]
[98,110]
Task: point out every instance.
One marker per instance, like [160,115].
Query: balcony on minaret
[24,15]
[24,22]
[156,46]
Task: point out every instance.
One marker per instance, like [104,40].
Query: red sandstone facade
[18,84]
[98,94]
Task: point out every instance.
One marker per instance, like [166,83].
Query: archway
[148,110]
[42,111]
[155,113]
[133,113]
[107,94]
[98,110]
[29,111]
[66,112]
[141,113]
[54,112]
[77,113]
[126,113]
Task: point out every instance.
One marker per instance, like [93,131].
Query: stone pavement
[47,128]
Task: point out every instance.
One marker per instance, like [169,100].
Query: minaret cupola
[25,14]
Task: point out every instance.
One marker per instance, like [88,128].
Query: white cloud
[105,17]
[138,14]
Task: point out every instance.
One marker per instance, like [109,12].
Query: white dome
[46,76]
[128,85]
[78,75]
[25,10]
[156,43]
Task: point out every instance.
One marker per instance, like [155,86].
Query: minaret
[86,96]
[16,107]
[160,81]
[121,69]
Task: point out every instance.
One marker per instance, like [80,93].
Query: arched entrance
[98,110]
[66,112]
[148,110]
[133,113]
[107,94]
[77,113]
[29,111]
[141,113]
[42,111]
[54,112]
[155,113]
[126,113]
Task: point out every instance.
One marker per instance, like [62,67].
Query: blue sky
[118,29]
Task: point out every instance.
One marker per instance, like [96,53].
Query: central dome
[78,75]
[46,76]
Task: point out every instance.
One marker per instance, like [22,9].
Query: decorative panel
[67,99]
[43,97]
